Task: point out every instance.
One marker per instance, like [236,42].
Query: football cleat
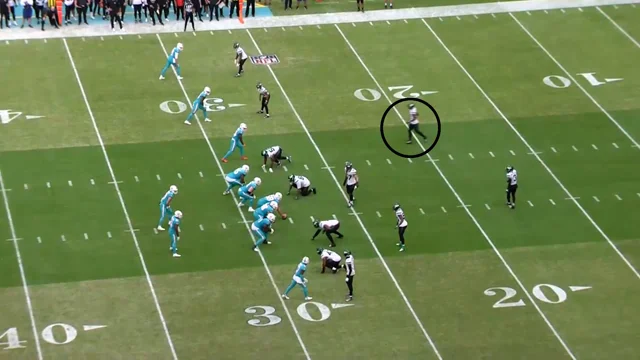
[285,297]
[160,228]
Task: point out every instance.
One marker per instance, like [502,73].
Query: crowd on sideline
[75,11]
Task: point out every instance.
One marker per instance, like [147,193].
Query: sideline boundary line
[244,218]
[353,211]
[124,207]
[321,19]
[462,203]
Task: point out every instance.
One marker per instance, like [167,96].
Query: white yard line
[25,287]
[513,274]
[526,143]
[576,82]
[618,27]
[355,214]
[319,19]
[124,207]
[253,239]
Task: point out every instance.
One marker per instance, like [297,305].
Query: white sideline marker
[158,177]
[200,173]
[49,185]
[211,32]
[121,38]
[224,226]
[491,153]
[93,182]
[529,13]
[546,12]
[618,197]
[378,213]
[530,203]
[443,209]
[179,176]
[86,236]
[306,167]
[421,211]
[487,206]
[83,39]
[201,227]
[93,327]
[638,194]
[450,156]
[494,15]
[39,240]
[596,199]
[574,148]
[410,161]
[615,146]
[580,9]
[139,37]
[475,16]
[512,153]
[354,213]
[245,222]
[101,38]
[312,219]
[368,162]
[370,23]
[552,202]
[594,147]
[70,183]
[175,34]
[229,31]
[109,234]
[553,149]
[388,22]
[388,161]
[334,216]
[579,288]
[405,21]
[440,19]
[471,156]
[265,30]
[285,168]
[136,178]
[115,182]
[562,11]
[300,27]
[26,187]
[290,220]
[63,238]
[155,231]
[318,26]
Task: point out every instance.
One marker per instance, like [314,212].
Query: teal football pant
[164,211]
[195,109]
[293,284]
[169,64]
[174,241]
[244,197]
[232,146]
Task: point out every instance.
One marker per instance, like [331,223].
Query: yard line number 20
[264,315]
[375,95]
[561,295]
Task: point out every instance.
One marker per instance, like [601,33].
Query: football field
[90,140]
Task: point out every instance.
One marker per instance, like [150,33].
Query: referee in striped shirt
[350,268]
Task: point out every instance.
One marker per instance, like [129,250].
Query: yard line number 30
[264,315]
[509,293]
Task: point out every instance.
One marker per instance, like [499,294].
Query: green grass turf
[449,263]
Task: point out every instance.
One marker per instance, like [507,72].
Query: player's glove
[346,279]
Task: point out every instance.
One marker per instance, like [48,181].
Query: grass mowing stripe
[526,143]
[23,277]
[466,209]
[246,223]
[124,207]
[618,27]
[375,248]
[575,82]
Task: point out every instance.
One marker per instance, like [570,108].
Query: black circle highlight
[384,139]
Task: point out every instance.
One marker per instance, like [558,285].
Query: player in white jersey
[302,184]
[241,58]
[414,123]
[273,153]
[512,186]
[327,227]
[264,96]
[350,268]
[329,259]
[401,225]
[350,181]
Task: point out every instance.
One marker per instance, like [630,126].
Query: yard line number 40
[12,340]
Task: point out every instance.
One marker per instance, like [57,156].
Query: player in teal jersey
[299,279]
[172,60]
[269,198]
[263,228]
[246,193]
[165,205]
[198,104]
[265,209]
[235,178]
[174,232]
[237,141]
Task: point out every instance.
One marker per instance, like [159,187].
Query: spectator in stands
[235,7]
[179,9]
[137,11]
[49,12]
[4,12]
[68,9]
[27,13]
[250,4]
[154,5]
[96,5]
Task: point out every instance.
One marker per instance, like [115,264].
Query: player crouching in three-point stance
[174,232]
[198,104]
[350,181]
[262,228]
[327,227]
[299,279]
[237,140]
[274,154]
[414,123]
[264,96]
[302,184]
[329,260]
[247,193]
[401,225]
[512,186]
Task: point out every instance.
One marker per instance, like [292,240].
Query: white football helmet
[278,196]
[271,217]
[273,204]
[173,189]
[257,180]
[207,90]
[243,126]
[245,168]
[178,214]
[305,260]
[180,46]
